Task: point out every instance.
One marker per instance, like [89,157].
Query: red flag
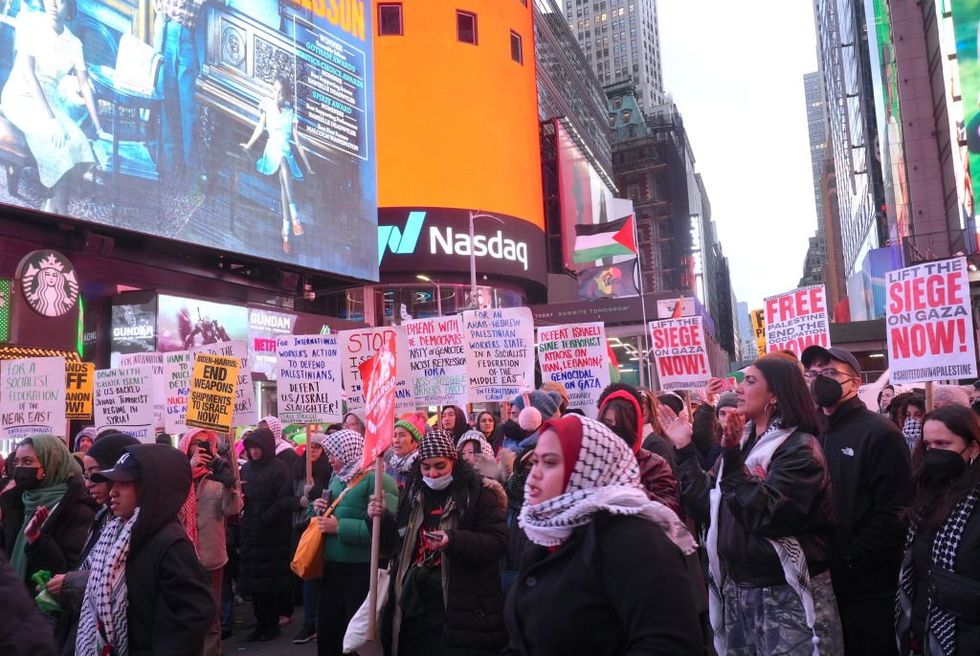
[379,377]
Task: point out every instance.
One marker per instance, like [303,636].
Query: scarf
[605,478]
[476,436]
[788,549]
[940,638]
[437,443]
[912,430]
[276,427]
[346,446]
[102,624]
[402,464]
[187,515]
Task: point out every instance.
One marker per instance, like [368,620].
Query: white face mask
[438,484]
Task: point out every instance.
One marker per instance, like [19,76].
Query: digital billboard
[186,323]
[246,127]
[966,20]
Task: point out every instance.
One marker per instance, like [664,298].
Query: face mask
[942,464]
[826,391]
[438,484]
[26,477]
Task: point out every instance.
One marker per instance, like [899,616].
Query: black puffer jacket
[24,631]
[265,534]
[793,500]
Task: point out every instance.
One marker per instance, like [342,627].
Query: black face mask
[26,477]
[826,391]
[943,464]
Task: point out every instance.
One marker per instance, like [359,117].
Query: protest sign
[246,412]
[759,328]
[308,379]
[79,390]
[177,388]
[357,346]
[929,324]
[124,402]
[32,397]
[211,403]
[797,319]
[380,376]
[499,352]
[155,362]
[438,362]
[680,353]
[575,356]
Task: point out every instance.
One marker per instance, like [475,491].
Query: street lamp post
[429,280]
[473,216]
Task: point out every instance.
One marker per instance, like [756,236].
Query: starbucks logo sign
[48,282]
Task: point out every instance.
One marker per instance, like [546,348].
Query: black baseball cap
[815,352]
[127,468]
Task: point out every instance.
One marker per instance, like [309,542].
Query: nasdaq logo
[400,242]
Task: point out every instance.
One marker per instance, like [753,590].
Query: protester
[214,495]
[533,409]
[559,389]
[48,513]
[653,433]
[949,395]
[473,449]
[321,471]
[147,593]
[885,397]
[266,531]
[915,410]
[347,538]
[453,419]
[939,592]
[605,574]
[486,423]
[871,474]
[84,439]
[354,421]
[406,438]
[24,631]
[768,507]
[445,574]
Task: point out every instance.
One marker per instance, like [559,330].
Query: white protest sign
[361,344]
[499,351]
[576,357]
[797,319]
[308,379]
[32,397]
[124,402]
[929,324]
[438,363]
[155,362]
[680,353]
[178,366]
[246,412]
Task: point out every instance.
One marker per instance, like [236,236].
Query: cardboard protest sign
[32,397]
[246,412]
[576,357]
[155,362]
[308,379]
[211,403]
[438,361]
[797,319]
[124,402]
[357,346]
[929,323]
[79,390]
[680,353]
[759,328]
[380,376]
[177,371]
[499,352]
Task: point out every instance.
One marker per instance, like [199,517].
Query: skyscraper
[816,119]
[621,40]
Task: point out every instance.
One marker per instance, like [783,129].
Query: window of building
[466,27]
[390,19]
[516,47]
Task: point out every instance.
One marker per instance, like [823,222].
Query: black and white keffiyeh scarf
[347,446]
[912,431]
[402,464]
[606,478]
[102,625]
[940,638]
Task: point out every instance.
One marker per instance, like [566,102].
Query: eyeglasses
[811,374]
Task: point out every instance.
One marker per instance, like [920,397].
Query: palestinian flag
[598,240]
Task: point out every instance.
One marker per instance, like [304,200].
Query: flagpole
[645,354]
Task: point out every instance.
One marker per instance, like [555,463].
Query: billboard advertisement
[246,127]
[186,323]
[966,113]
[134,325]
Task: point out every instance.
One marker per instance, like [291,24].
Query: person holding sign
[939,593]
[768,508]
[871,474]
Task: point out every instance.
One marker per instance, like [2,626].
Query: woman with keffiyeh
[939,586]
[605,573]
[404,451]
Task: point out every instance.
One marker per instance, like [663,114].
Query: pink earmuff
[530,417]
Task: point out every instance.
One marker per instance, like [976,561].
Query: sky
[735,71]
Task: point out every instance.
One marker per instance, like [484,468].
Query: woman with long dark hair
[486,423]
[939,589]
[453,419]
[768,507]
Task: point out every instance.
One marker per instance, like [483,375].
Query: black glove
[221,472]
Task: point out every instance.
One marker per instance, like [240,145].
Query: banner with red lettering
[797,319]
[576,357]
[361,344]
[929,324]
[680,353]
[438,362]
[380,376]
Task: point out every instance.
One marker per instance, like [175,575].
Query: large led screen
[245,126]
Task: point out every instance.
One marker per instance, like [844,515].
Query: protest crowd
[780,515]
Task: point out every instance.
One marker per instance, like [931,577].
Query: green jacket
[352,543]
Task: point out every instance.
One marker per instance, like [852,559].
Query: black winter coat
[63,535]
[794,500]
[617,586]
[871,472]
[265,533]
[24,631]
